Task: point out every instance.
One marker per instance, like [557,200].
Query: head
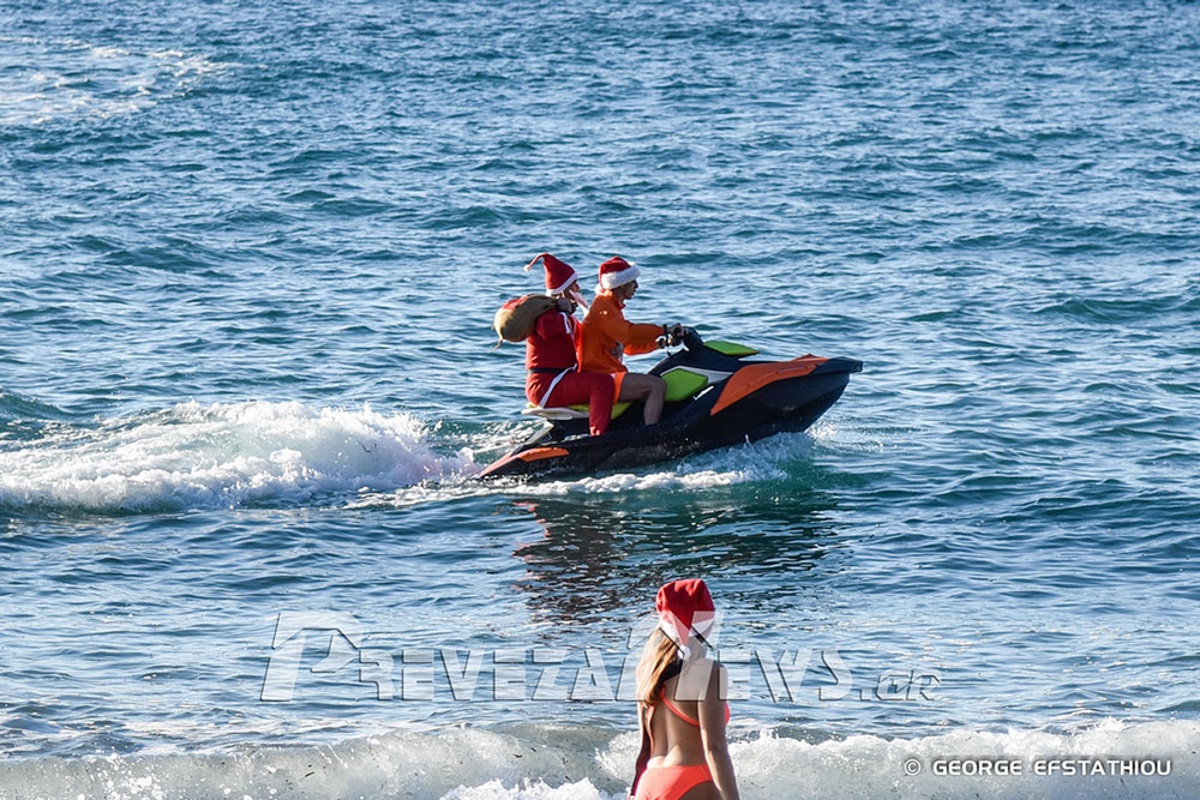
[616,274]
[561,278]
[685,612]
[574,294]
[685,616]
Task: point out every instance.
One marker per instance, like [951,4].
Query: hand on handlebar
[677,333]
[673,335]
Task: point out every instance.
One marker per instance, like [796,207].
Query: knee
[639,386]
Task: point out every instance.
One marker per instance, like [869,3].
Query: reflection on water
[771,551]
[600,555]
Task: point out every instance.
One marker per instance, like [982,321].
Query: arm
[637,337]
[712,734]
[643,755]
[645,347]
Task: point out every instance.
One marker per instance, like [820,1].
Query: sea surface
[249,256]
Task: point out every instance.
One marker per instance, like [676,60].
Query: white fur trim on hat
[611,280]
[565,285]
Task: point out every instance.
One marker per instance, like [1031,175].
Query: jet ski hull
[756,400]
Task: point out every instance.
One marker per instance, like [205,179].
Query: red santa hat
[685,609]
[559,274]
[616,272]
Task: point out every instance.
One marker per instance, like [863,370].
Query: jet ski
[716,397]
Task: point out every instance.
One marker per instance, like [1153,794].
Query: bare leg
[652,389]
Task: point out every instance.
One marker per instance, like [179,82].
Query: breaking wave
[222,455]
[1154,760]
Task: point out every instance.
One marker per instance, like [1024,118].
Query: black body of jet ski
[715,398]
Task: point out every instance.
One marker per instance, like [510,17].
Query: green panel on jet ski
[682,384]
[731,349]
[618,408]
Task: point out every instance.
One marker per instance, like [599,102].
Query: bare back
[684,730]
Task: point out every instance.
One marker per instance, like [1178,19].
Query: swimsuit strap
[676,710]
[679,713]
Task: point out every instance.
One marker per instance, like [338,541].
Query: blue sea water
[249,259]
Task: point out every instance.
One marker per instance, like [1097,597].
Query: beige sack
[516,319]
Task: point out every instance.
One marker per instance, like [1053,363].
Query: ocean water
[249,259]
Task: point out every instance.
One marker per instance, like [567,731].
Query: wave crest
[220,455]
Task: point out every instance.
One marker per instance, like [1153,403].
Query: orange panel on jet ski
[750,379]
[538,453]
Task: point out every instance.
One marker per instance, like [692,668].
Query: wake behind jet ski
[716,397]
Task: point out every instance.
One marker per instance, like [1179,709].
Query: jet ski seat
[555,413]
[682,384]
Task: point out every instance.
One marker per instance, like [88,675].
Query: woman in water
[681,708]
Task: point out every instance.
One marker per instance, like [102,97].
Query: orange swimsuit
[672,783]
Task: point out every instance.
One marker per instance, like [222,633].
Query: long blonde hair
[660,653]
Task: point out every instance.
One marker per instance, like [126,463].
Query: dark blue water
[249,262]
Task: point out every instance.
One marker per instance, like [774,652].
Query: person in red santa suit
[553,377]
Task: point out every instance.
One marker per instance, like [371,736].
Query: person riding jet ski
[608,337]
[551,352]
[717,395]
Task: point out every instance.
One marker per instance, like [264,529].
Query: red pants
[597,389]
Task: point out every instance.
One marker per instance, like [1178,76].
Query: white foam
[748,463]
[529,790]
[220,455]
[871,767]
[677,479]
[227,455]
[42,80]
[548,763]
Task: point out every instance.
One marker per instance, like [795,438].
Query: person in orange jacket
[608,337]
[553,377]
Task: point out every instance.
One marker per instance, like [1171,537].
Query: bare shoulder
[700,678]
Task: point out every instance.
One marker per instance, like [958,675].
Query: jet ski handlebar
[680,334]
